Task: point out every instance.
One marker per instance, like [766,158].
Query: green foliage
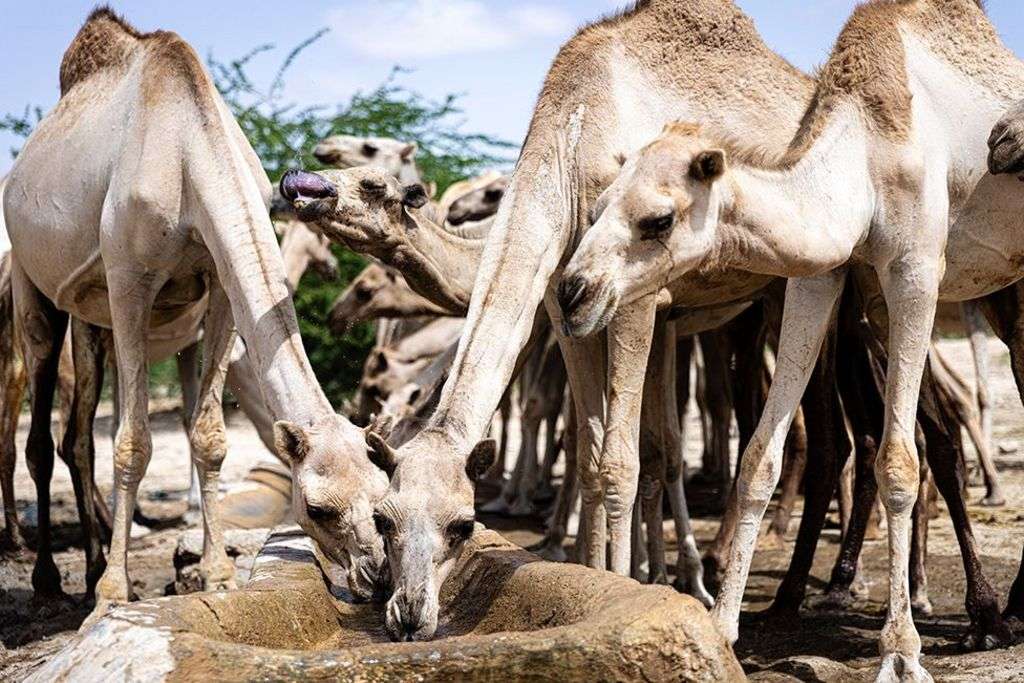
[283,136]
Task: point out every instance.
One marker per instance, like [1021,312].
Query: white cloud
[399,29]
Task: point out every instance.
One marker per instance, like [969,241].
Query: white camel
[165,207]
[880,175]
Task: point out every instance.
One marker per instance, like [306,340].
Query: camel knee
[132,452]
[759,475]
[897,471]
[208,438]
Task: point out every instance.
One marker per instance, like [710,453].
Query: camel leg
[826,434]
[653,443]
[131,296]
[88,361]
[14,379]
[585,362]
[629,343]
[208,440]
[793,464]
[719,406]
[188,374]
[246,389]
[810,303]
[551,546]
[43,329]
[919,600]
[974,323]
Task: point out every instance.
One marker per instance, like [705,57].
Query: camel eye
[385,527]
[369,150]
[493,196]
[363,294]
[460,530]
[655,225]
[320,514]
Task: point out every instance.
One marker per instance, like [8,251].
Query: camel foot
[521,507]
[987,637]
[994,499]
[838,598]
[921,605]
[498,506]
[93,575]
[549,549]
[46,579]
[694,588]
[780,616]
[714,572]
[900,668]
[771,540]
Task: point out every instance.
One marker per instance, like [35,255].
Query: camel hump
[105,41]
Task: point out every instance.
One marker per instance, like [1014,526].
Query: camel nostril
[571,292]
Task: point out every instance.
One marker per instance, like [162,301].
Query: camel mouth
[587,307]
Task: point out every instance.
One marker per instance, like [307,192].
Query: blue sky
[494,51]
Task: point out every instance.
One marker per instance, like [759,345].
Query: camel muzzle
[299,185]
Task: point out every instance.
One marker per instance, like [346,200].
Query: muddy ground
[829,646]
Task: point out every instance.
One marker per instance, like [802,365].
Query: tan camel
[378,292]
[370,212]
[167,211]
[858,183]
[610,90]
[481,203]
[349,151]
[464,188]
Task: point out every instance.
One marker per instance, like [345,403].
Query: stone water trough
[506,615]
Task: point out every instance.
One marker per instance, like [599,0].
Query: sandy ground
[830,646]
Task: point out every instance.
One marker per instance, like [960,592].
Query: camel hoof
[838,599]
[978,640]
[898,668]
[993,500]
[46,579]
[771,541]
[498,506]
[921,606]
[780,617]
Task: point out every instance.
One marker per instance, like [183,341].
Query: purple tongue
[305,185]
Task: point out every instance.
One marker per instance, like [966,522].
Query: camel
[479,204]
[370,212]
[610,90]
[349,151]
[147,228]
[463,188]
[1006,143]
[378,292]
[856,184]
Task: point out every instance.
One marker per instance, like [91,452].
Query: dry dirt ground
[827,646]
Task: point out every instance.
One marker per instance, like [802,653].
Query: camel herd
[683,193]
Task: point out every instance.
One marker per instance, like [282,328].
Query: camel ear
[708,166]
[408,152]
[481,458]
[414,196]
[380,453]
[291,441]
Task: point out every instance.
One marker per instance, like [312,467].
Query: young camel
[378,292]
[168,213]
[865,178]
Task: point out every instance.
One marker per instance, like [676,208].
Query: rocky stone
[506,615]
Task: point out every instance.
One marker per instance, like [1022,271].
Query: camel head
[478,204]
[364,208]
[300,245]
[371,286]
[425,518]
[656,221]
[384,372]
[333,496]
[348,151]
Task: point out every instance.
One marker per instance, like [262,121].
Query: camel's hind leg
[43,328]
[187,361]
[975,325]
[207,437]
[78,444]
[12,388]
[131,295]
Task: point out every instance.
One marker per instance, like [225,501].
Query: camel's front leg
[910,285]
[585,363]
[131,300]
[629,345]
[810,303]
[207,437]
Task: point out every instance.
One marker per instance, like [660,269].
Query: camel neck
[456,257]
[804,218]
[240,237]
